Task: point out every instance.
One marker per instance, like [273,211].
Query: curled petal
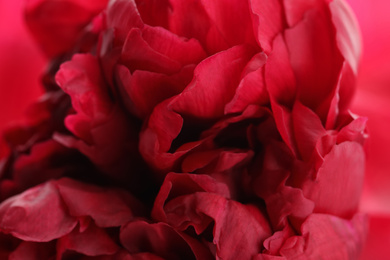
[328,237]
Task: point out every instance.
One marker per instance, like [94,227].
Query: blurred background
[21,64]
[372,99]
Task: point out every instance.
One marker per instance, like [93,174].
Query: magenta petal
[57,24]
[137,54]
[295,10]
[315,59]
[288,202]
[155,12]
[191,20]
[108,208]
[210,90]
[41,205]
[225,15]
[281,86]
[267,20]
[185,51]
[338,102]
[274,243]
[156,139]
[354,131]
[308,129]
[162,241]
[143,90]
[92,242]
[122,16]
[203,99]
[348,34]
[82,79]
[342,170]
[328,237]
[182,184]
[251,89]
[193,200]
[239,230]
[96,118]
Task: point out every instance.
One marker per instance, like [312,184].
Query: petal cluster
[189,130]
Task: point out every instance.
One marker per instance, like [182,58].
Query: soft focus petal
[57,25]
[41,205]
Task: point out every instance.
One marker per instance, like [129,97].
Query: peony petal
[343,170]
[155,12]
[233,237]
[282,90]
[209,91]
[348,34]
[271,171]
[41,205]
[108,208]
[81,79]
[161,240]
[295,10]
[185,51]
[122,16]
[143,90]
[273,244]
[267,18]
[91,242]
[183,207]
[183,184]
[288,202]
[315,59]
[155,141]
[138,54]
[203,100]
[57,25]
[354,131]
[251,89]
[191,20]
[328,237]
[308,129]
[225,16]
[97,118]
[281,86]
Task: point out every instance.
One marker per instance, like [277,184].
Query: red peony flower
[228,121]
